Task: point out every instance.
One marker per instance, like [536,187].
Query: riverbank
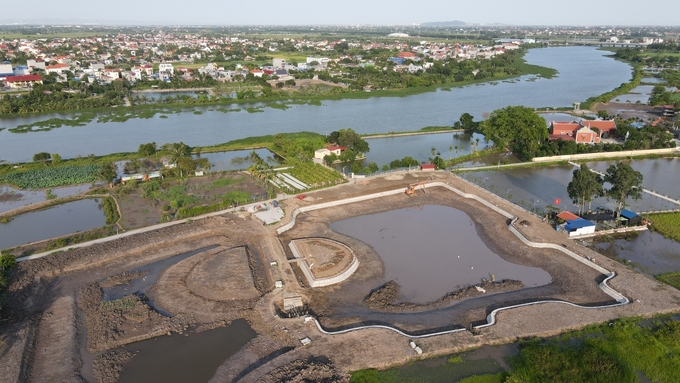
[281,96]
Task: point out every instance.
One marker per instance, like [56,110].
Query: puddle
[484,360]
[142,286]
[432,250]
[188,359]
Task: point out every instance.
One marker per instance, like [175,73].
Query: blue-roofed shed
[579,226]
[633,218]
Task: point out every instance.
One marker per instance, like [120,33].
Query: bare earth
[53,299]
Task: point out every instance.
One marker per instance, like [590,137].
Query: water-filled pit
[432,250]
[191,359]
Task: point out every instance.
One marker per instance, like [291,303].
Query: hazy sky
[231,12]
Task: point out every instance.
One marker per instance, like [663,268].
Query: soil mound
[223,276]
[312,369]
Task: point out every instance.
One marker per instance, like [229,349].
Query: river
[583,72]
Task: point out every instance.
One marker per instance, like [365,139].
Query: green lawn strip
[672,279]
[667,224]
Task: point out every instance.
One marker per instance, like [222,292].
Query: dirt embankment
[108,367]
[384,297]
[311,369]
[122,321]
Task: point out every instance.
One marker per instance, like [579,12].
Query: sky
[352,12]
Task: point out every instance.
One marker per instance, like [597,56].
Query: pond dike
[491,317]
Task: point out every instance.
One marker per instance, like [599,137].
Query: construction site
[369,274]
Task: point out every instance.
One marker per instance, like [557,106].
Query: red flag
[557,201]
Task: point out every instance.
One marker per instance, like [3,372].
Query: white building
[166,68]
[279,63]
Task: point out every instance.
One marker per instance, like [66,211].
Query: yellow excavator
[411,189]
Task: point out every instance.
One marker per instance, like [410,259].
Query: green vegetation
[622,89]
[314,175]
[501,377]
[625,183]
[672,279]
[584,186]
[667,224]
[517,128]
[7,263]
[124,303]
[111,210]
[89,235]
[52,177]
[613,352]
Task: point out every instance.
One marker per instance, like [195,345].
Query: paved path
[140,230]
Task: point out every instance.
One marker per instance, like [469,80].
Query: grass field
[667,224]
[622,351]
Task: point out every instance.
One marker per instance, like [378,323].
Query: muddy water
[60,220]
[648,252]
[535,188]
[658,174]
[143,285]
[12,198]
[484,360]
[432,250]
[188,359]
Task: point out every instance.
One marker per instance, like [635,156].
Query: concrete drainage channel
[491,318]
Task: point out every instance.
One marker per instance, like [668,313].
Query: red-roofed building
[567,216]
[406,55]
[57,68]
[23,81]
[583,132]
[427,167]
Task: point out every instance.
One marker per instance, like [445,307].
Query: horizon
[354,13]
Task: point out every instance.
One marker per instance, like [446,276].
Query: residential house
[166,68]
[57,68]
[321,153]
[279,63]
[23,81]
[583,132]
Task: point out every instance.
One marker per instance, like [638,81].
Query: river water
[432,250]
[583,72]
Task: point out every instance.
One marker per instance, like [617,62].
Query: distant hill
[458,23]
[454,23]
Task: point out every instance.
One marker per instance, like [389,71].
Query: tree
[177,150]
[625,183]
[467,124]
[333,137]
[56,158]
[107,172]
[42,157]
[148,149]
[185,164]
[517,128]
[352,140]
[584,186]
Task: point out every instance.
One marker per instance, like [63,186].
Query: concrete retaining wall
[321,282]
[588,156]
[491,318]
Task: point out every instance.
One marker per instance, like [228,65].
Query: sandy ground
[39,337]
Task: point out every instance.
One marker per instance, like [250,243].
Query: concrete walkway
[140,230]
[491,318]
